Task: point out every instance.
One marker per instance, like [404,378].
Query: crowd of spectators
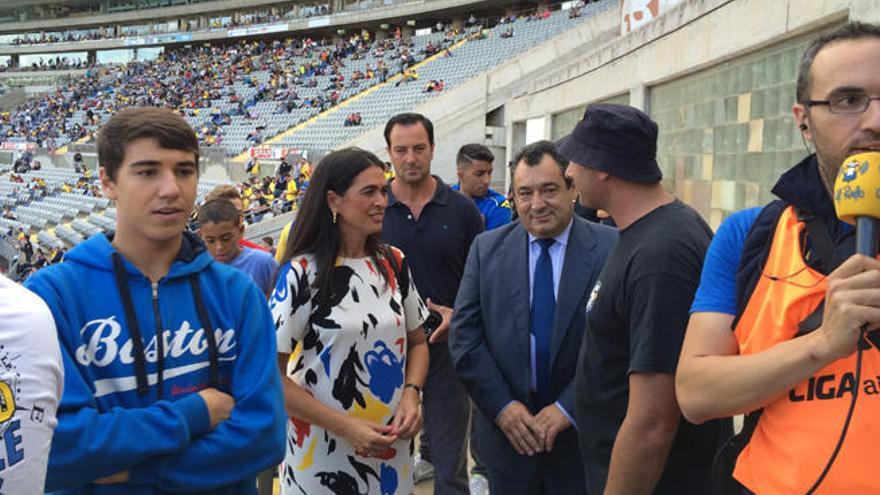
[56,63]
[231,22]
[275,193]
[64,36]
[188,79]
[30,256]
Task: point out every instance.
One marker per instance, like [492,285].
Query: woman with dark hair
[348,320]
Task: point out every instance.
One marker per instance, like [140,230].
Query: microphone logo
[857,191]
[851,170]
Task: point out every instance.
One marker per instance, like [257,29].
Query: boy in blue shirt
[197,410]
[221,229]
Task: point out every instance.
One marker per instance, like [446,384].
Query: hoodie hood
[802,186]
[97,253]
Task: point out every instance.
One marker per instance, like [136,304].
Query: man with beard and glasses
[783,300]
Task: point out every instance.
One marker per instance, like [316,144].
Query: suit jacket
[489,338]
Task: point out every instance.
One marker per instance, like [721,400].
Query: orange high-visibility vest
[796,433]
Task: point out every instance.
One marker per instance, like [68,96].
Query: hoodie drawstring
[137,342]
[214,361]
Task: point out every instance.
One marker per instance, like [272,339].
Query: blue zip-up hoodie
[130,401]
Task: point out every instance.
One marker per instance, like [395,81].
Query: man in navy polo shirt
[434,227]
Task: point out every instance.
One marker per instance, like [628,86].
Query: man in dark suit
[518,324]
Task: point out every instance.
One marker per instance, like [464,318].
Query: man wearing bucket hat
[631,433]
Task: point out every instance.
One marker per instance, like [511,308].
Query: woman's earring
[334,217]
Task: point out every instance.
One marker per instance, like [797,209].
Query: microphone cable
[849,415]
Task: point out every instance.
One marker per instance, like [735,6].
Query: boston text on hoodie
[130,399]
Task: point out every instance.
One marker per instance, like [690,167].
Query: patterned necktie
[541,325]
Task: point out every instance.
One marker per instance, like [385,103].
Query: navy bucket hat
[616,139]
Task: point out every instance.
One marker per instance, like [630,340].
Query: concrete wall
[718,77]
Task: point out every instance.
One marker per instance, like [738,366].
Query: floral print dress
[350,354]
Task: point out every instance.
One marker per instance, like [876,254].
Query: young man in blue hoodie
[194,410]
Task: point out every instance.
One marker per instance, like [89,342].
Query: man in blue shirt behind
[474,163]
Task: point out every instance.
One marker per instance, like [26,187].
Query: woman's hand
[408,417]
[369,439]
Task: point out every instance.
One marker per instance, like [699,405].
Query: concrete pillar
[864,11]
[638,97]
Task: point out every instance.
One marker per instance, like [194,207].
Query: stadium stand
[478,54]
[226,92]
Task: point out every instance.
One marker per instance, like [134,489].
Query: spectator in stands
[221,229]
[471,21]
[256,135]
[353,120]
[507,33]
[20,166]
[284,168]
[408,75]
[253,168]
[354,396]
[159,434]
[33,380]
[474,165]
[78,165]
[434,227]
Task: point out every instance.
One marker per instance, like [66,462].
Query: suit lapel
[576,269]
[517,261]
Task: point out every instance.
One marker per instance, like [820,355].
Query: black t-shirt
[436,244]
[636,322]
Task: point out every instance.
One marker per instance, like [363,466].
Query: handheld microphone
[857,201]
[857,198]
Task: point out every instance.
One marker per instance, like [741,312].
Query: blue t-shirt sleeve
[717,290]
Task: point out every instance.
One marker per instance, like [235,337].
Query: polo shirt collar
[441,194]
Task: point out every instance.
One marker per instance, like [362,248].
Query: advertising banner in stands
[250,31]
[158,40]
[319,22]
[272,153]
[17,146]
[636,13]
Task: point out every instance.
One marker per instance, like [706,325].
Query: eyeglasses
[845,104]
